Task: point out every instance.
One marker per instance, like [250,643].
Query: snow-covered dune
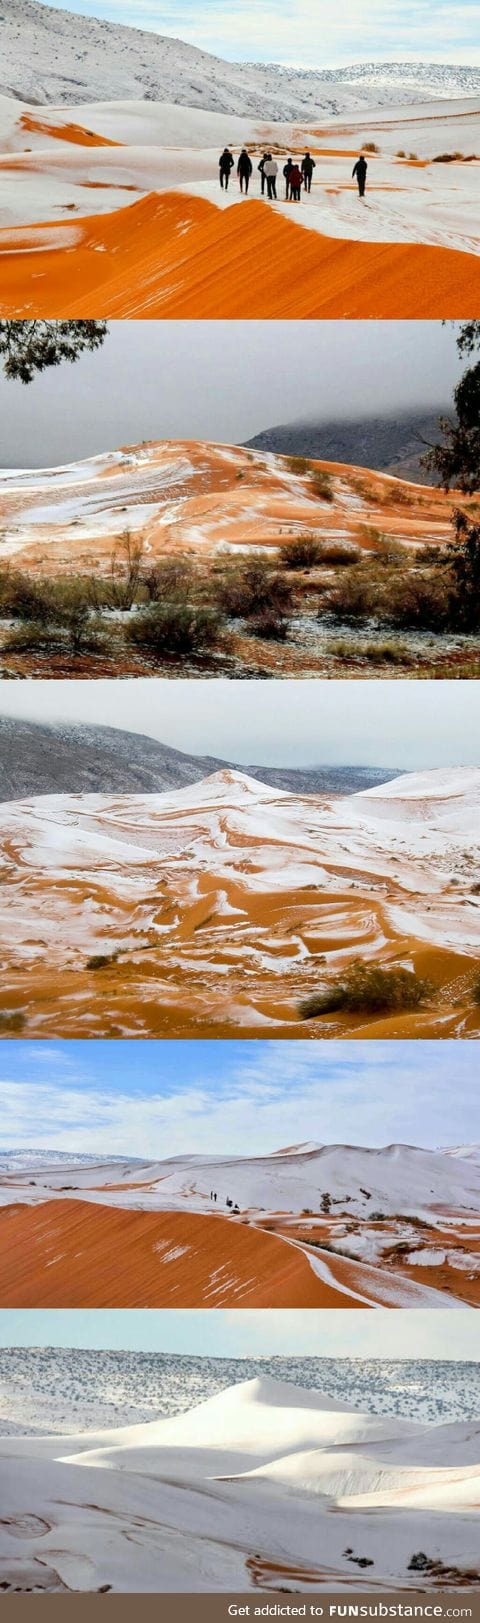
[263,1485]
[220,905]
[317,1226]
[206,499]
[398,1179]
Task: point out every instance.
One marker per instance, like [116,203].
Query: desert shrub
[174,628]
[401,153]
[171,580]
[252,587]
[370,146]
[419,601]
[342,554]
[270,623]
[388,653]
[322,484]
[22,598]
[297,464]
[448,157]
[32,636]
[351,598]
[302,553]
[368,989]
[127,570]
[12,1021]
[476,990]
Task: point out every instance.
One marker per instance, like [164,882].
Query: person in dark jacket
[287,168]
[308,166]
[225,164]
[295,182]
[244,170]
[262,172]
[360,171]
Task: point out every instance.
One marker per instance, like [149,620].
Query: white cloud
[269,1095]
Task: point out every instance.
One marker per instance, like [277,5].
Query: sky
[404,725]
[160,1099]
[196,380]
[250,1332]
[307,33]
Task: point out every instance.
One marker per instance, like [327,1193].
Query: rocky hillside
[65,759]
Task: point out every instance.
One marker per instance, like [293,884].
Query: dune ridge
[264,1482]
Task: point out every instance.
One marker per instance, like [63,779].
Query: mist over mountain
[72,759]
[394,444]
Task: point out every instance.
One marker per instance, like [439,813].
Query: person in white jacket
[270,170]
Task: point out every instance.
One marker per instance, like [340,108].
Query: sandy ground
[265,1484]
[216,909]
[116,211]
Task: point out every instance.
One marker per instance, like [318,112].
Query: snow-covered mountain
[50,56]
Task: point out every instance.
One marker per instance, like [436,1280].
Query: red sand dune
[75,1255]
[68,1253]
[180,257]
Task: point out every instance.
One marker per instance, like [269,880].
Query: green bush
[368,989]
[174,628]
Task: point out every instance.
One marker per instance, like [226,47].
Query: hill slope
[79,59]
[44,760]
[392,445]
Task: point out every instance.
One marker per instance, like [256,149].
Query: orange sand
[180,257]
[72,1254]
[75,133]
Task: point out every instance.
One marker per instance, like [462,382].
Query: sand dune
[218,907]
[204,499]
[331,1226]
[263,1483]
[129,192]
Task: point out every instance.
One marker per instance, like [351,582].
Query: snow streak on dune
[331,1226]
[217,907]
[265,1485]
[206,499]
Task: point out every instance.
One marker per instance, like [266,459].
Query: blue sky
[251,1332]
[169,1098]
[308,33]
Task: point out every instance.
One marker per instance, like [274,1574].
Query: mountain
[71,759]
[389,444]
[50,56]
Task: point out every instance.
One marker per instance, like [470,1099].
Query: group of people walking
[295,175]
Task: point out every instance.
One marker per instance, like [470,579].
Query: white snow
[263,1473]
